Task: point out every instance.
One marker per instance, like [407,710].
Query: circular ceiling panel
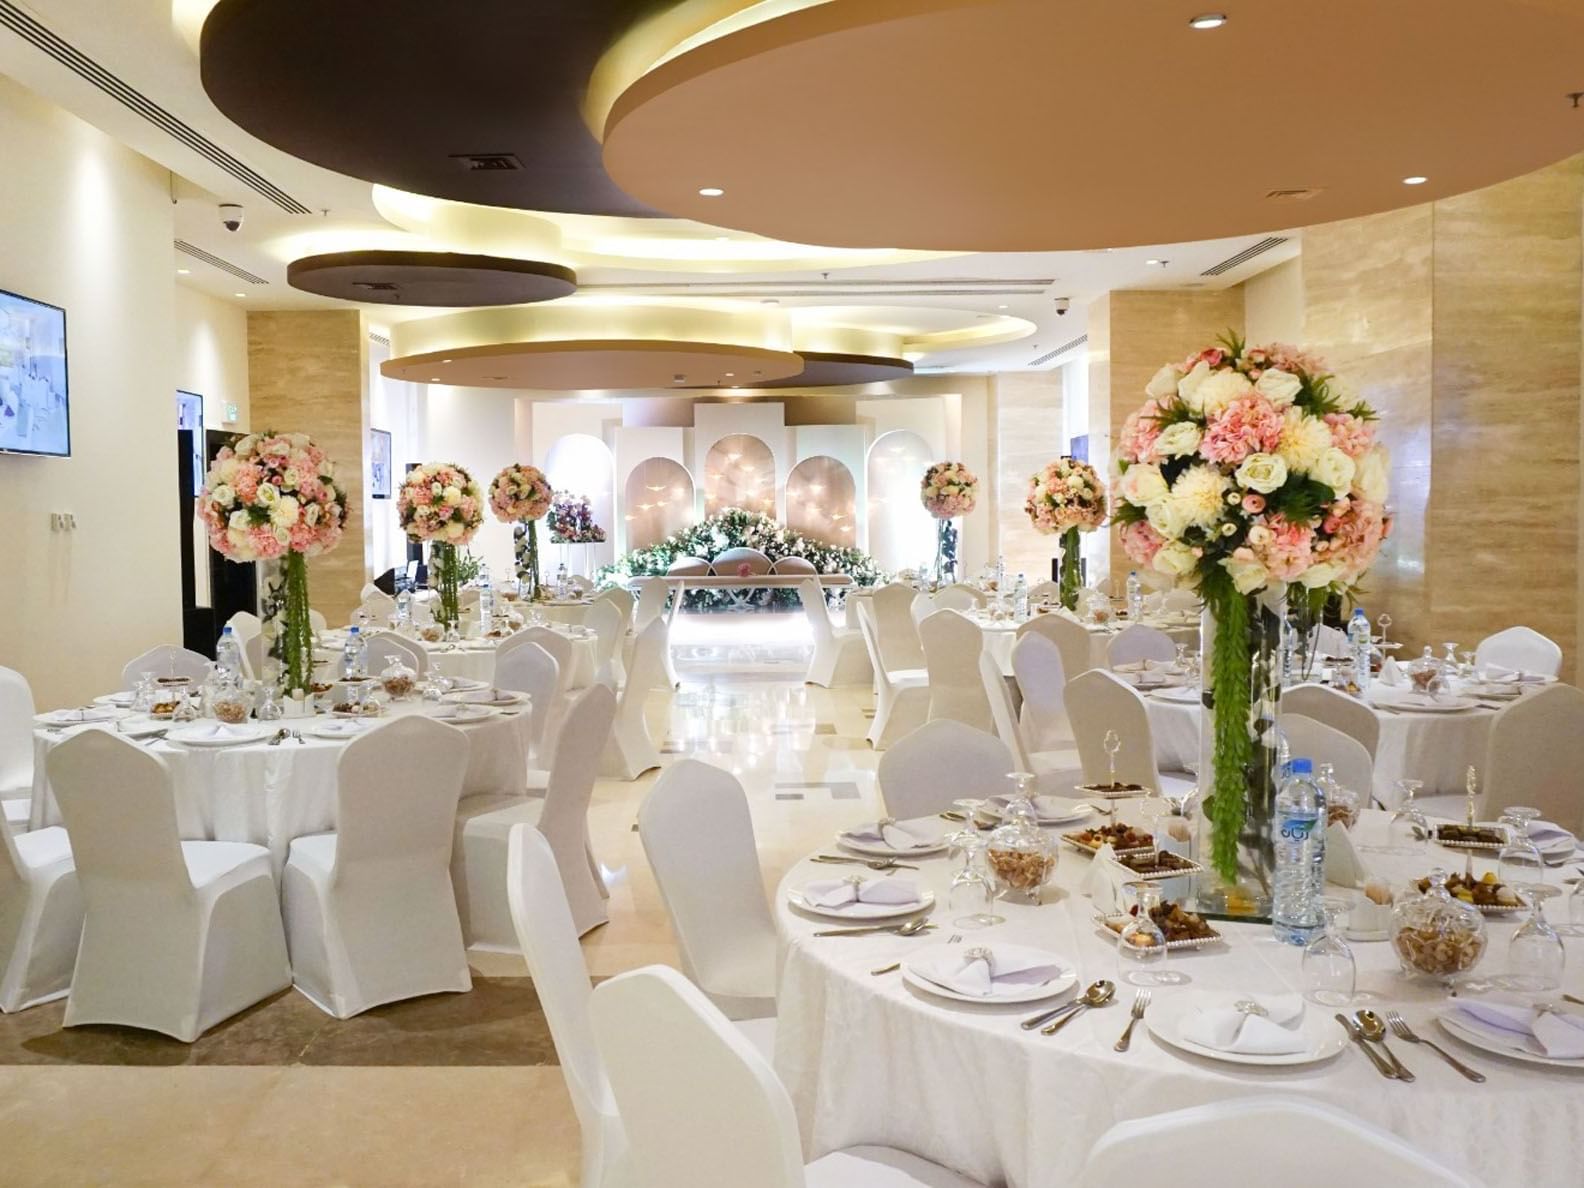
[430,278]
[823,369]
[943,124]
[609,364]
[479,102]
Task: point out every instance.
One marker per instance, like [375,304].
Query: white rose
[239,521]
[1143,484]
[1163,385]
[310,514]
[237,539]
[436,490]
[226,471]
[1075,482]
[300,440]
[283,535]
[1335,469]
[330,492]
[284,513]
[1370,478]
[1167,518]
[1260,536]
[453,495]
[223,495]
[1189,384]
[292,479]
[247,445]
[326,468]
[1304,438]
[268,493]
[1175,558]
[1247,574]
[453,530]
[1178,439]
[1322,573]
[1220,390]
[1262,472]
[1278,386]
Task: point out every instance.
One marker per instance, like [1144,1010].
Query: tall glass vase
[527,541]
[287,626]
[447,582]
[1071,564]
[945,551]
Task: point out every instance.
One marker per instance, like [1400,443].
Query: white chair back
[1044,592]
[621,600]
[553,642]
[380,606]
[952,646]
[245,625]
[684,1079]
[1041,678]
[1337,710]
[1070,637]
[652,594]
[166,660]
[1179,601]
[396,795]
[922,773]
[580,745]
[1137,642]
[1272,1139]
[921,608]
[604,618]
[534,671]
[254,656]
[727,564]
[1351,763]
[814,609]
[648,671]
[1099,701]
[385,646]
[958,598]
[1535,755]
[1002,712]
[1520,649]
[318,622]
[896,635]
[16,733]
[1330,642]
[792,566]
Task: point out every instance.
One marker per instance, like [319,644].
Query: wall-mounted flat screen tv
[34,414]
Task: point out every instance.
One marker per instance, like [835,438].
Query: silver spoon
[1088,1001]
[1099,991]
[1374,1029]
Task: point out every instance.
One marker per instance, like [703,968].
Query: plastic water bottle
[1020,598]
[403,603]
[486,598]
[1296,915]
[354,655]
[561,580]
[1135,596]
[1359,645]
[228,653]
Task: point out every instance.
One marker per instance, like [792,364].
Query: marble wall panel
[1028,434]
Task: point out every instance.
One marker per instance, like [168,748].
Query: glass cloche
[1435,935]
[398,679]
[1021,855]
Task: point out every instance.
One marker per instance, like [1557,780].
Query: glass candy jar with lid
[398,679]
[1426,674]
[228,700]
[1021,856]
[1436,936]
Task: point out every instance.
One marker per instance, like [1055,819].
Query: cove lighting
[1416,180]
[711,192]
[1157,263]
[1208,20]
[239,294]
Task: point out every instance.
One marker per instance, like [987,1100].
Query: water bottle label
[1297,828]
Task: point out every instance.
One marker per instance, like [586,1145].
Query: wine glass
[1141,945]
[1408,832]
[970,807]
[1519,864]
[1575,907]
[1329,971]
[972,891]
[1535,955]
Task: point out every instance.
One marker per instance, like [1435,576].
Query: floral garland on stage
[1248,472]
[948,490]
[1066,497]
[441,502]
[572,520]
[520,496]
[273,498]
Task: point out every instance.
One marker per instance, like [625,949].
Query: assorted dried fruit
[1469,835]
[1174,920]
[1119,836]
[1483,892]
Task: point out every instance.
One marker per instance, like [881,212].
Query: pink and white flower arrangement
[440,501]
[520,494]
[1066,493]
[270,495]
[948,490]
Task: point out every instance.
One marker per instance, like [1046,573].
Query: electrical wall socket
[63,522]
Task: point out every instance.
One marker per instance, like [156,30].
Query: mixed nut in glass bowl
[1435,935]
[398,679]
[1021,856]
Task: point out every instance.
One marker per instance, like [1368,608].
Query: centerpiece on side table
[948,490]
[571,522]
[440,502]
[273,498]
[1249,477]
[1066,498]
[520,496]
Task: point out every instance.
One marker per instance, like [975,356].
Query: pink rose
[1253,503]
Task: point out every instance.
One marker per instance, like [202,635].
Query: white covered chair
[605,621]
[532,670]
[699,840]
[839,657]
[618,597]
[1070,637]
[244,624]
[1519,649]
[731,561]
[1099,701]
[580,584]
[16,748]
[632,752]
[952,647]
[896,632]
[318,622]
[1056,772]
[1329,642]
[370,914]
[940,761]
[1270,1139]
[380,606]
[683,567]
[1041,678]
[1137,643]
[1046,591]
[793,567]
[958,598]
[1179,601]
[1350,762]
[385,646]
[166,660]
[652,595]
[41,917]
[1337,710]
[702,1108]
[177,935]
[1536,754]
[483,826]
[902,696]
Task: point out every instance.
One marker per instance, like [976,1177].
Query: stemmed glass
[1575,904]
[1519,864]
[1329,971]
[1141,945]
[972,891]
[1535,955]
[1408,832]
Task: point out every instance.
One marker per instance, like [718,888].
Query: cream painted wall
[211,356]
[1273,304]
[85,223]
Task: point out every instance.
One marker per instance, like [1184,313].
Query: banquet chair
[166,660]
[254,656]
[378,606]
[1137,643]
[952,647]
[370,915]
[921,608]
[1519,649]
[605,621]
[959,597]
[901,696]
[1337,710]
[632,752]
[729,562]
[532,670]
[618,597]
[1350,762]
[1270,1139]
[1535,755]
[699,839]
[41,917]
[1046,591]
[245,625]
[1329,642]
[580,584]
[385,646]
[926,771]
[839,657]
[793,567]
[896,632]
[1071,639]
[177,935]
[1041,677]
[1099,701]
[16,748]
[652,595]
[1154,601]
[318,622]
[1055,771]
[560,649]
[702,1108]
[1178,601]
[483,827]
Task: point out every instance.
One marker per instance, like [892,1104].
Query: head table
[869,1059]
[473,659]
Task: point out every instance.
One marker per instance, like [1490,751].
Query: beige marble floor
[800,753]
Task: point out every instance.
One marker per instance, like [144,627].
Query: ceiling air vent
[487,162]
[1061,350]
[1247,254]
[378,339]
[1293,195]
[214,261]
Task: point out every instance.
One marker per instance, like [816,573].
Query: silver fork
[1141,1002]
[1401,1030]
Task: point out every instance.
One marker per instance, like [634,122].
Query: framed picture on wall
[380,463]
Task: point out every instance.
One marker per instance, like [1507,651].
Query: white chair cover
[958,598]
[1522,650]
[245,625]
[896,633]
[41,914]
[1002,712]
[729,562]
[921,608]
[1337,710]
[254,656]
[939,762]
[166,660]
[1045,592]
[16,739]
[687,567]
[1099,701]
[901,697]
[318,622]
[632,751]
[793,566]
[618,597]
[1137,642]
[652,595]
[1536,754]
[699,840]
[604,618]
[1179,601]
[370,914]
[177,935]
[952,646]
[385,646]
[1351,763]
[1037,665]
[1330,642]
[380,606]
[532,670]
[839,657]
[1069,636]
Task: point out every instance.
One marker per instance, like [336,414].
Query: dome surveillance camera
[231,215]
[1062,306]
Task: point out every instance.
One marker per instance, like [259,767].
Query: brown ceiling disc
[825,369]
[430,278]
[611,364]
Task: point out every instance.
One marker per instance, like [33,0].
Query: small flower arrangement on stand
[1066,498]
[948,490]
[571,522]
[441,503]
[521,496]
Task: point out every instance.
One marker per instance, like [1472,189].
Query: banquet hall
[759,593]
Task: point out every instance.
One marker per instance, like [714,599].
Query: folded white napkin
[1545,1033]
[1391,674]
[1500,672]
[1343,866]
[217,730]
[899,835]
[1225,1028]
[1549,837]
[836,893]
[1103,884]
[985,971]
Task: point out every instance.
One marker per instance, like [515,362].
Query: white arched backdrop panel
[821,500]
[657,501]
[739,471]
[901,532]
[582,464]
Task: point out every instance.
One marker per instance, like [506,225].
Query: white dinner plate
[338,728]
[197,734]
[863,911]
[1419,703]
[1181,694]
[122,700]
[881,850]
[1323,1034]
[466,684]
[141,726]
[1499,1045]
[1060,984]
[455,713]
[78,717]
[499,698]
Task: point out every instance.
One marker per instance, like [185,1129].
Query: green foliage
[1230,680]
[1300,499]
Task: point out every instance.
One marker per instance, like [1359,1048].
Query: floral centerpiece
[273,498]
[948,490]
[572,520]
[520,496]
[1250,476]
[440,502]
[1066,498]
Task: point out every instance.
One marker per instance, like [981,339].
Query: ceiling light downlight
[1208,20]
[711,192]
[1415,180]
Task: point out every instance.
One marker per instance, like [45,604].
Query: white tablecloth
[474,659]
[1000,636]
[869,1060]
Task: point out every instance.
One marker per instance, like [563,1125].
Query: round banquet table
[868,1059]
[474,659]
[269,795]
[570,611]
[1001,634]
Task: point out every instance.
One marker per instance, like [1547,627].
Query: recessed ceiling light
[434,379]
[1415,180]
[711,192]
[1208,20]
[1000,307]
[769,301]
[239,294]
[183,271]
[445,360]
